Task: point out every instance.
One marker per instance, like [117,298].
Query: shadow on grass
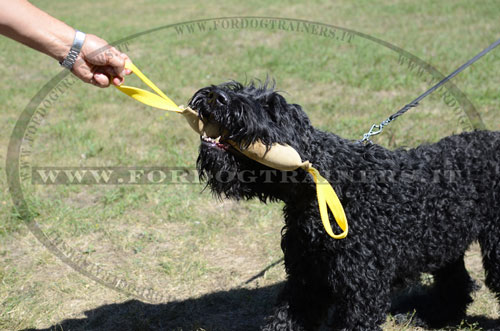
[239,309]
[411,304]
[234,310]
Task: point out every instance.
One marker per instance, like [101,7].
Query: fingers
[118,81]
[100,80]
[103,64]
[95,75]
[116,61]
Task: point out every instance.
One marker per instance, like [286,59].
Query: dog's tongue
[281,157]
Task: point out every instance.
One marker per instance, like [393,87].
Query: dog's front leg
[301,307]
[304,302]
[363,304]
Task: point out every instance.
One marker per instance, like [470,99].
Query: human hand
[100,64]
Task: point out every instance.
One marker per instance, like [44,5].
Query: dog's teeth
[214,141]
[208,139]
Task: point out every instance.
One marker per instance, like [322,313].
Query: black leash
[263,272]
[377,128]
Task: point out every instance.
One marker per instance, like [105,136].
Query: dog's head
[244,115]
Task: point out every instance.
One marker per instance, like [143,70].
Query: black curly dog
[410,211]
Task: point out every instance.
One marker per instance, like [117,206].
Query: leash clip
[374,130]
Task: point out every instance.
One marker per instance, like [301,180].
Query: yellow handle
[159,100]
[328,197]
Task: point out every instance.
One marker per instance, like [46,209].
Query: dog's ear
[245,122]
[285,114]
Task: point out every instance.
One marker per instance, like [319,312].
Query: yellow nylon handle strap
[159,100]
[328,197]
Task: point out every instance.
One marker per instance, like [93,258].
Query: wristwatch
[70,59]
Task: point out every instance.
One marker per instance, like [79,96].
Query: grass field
[196,254]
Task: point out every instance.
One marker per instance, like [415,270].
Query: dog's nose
[218,98]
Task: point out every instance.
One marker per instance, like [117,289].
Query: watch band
[70,59]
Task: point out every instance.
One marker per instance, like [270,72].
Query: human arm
[98,63]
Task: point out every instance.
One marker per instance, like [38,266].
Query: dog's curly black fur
[410,211]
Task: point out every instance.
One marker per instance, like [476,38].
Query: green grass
[176,239]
